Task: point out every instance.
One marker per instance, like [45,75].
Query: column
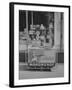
[57,30]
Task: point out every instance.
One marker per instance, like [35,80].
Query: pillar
[57,28]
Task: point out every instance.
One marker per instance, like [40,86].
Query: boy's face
[38,33]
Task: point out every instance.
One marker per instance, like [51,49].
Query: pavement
[57,71]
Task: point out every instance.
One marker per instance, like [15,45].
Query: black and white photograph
[41,46]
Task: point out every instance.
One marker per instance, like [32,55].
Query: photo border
[11,43]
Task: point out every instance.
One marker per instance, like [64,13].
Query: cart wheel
[49,69]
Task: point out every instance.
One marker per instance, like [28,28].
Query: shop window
[39,28]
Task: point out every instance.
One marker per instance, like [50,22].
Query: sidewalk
[57,71]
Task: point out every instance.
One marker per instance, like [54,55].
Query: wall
[58,41]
